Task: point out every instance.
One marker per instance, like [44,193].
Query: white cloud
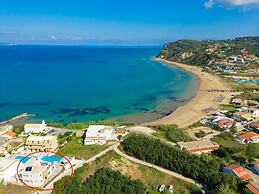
[232,3]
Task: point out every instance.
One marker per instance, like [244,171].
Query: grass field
[228,143]
[150,177]
[15,189]
[80,150]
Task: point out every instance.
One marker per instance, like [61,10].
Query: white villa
[37,170]
[100,134]
[35,128]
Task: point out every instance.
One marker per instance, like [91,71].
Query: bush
[207,171]
[104,181]
[174,133]
[200,134]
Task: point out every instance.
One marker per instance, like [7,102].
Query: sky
[125,22]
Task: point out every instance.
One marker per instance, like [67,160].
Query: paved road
[160,169]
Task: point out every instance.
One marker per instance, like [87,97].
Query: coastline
[14,119]
[192,111]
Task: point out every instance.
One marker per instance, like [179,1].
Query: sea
[63,84]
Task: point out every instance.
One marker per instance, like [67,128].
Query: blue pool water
[51,159]
[23,160]
[77,83]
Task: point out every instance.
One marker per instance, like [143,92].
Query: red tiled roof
[209,148]
[255,124]
[225,122]
[10,133]
[249,135]
[239,171]
[253,187]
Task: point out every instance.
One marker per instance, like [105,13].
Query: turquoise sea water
[76,83]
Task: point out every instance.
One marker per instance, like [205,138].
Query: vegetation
[18,129]
[14,189]
[78,126]
[204,169]
[173,133]
[194,52]
[150,177]
[229,107]
[104,181]
[79,150]
[200,134]
[224,189]
[232,150]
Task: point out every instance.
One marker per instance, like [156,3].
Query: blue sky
[136,22]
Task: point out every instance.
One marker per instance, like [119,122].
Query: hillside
[235,55]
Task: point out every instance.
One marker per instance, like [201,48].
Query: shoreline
[192,111]
[14,119]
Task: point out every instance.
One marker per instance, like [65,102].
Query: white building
[35,128]
[37,173]
[5,128]
[98,134]
[249,137]
[254,112]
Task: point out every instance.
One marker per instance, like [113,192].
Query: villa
[41,143]
[37,172]
[238,171]
[223,122]
[253,187]
[9,135]
[4,129]
[35,128]
[199,147]
[100,134]
[249,137]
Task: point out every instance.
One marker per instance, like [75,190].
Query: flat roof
[97,128]
[40,138]
[32,125]
[193,145]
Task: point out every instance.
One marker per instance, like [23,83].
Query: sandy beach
[192,111]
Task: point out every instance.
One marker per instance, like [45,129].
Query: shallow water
[75,83]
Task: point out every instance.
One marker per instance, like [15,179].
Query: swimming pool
[23,160]
[51,159]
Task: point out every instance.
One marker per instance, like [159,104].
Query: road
[68,172]
[179,176]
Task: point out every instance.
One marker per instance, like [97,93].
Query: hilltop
[235,55]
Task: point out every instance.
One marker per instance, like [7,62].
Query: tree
[251,150]
[206,169]
[224,189]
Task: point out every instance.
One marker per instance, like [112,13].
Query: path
[67,172]
[160,169]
